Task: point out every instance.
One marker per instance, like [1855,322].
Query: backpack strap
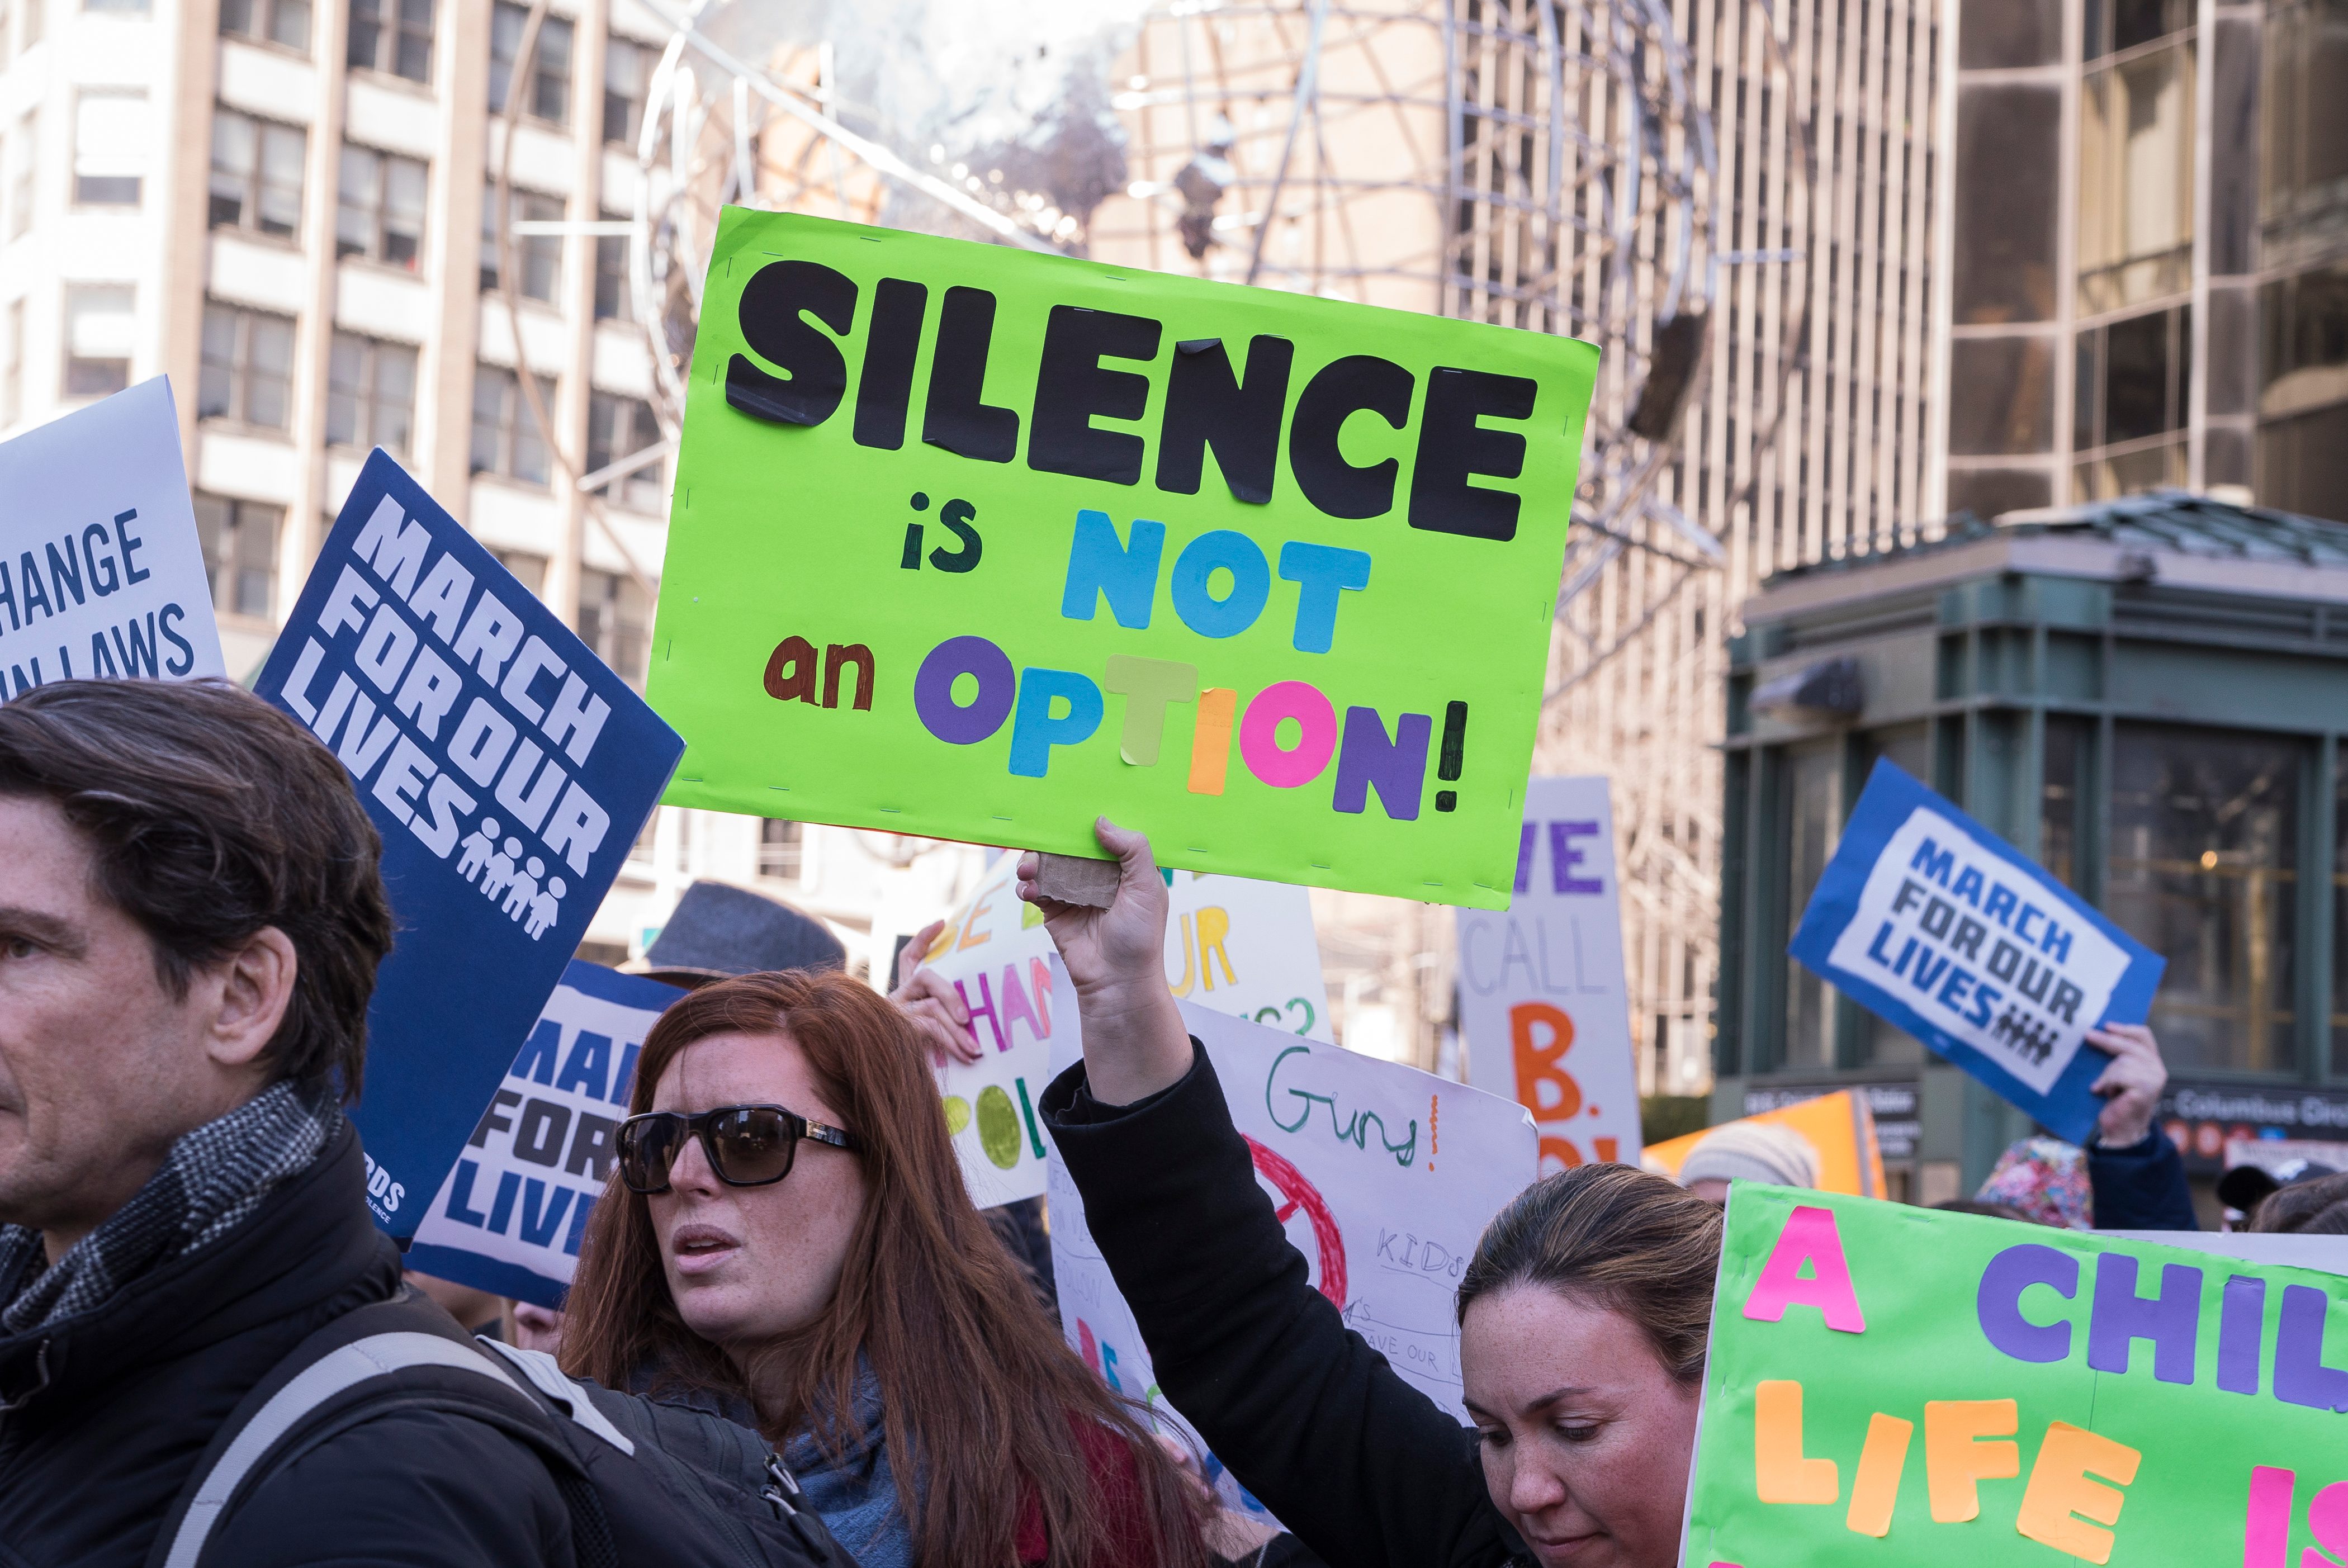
[402,1351]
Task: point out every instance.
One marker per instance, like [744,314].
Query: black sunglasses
[747,1145]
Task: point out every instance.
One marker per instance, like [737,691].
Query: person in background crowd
[479,1310]
[1748,1151]
[718,931]
[937,1010]
[190,919]
[787,1240]
[2135,1174]
[2129,1177]
[2043,1179]
[2310,1201]
[1582,1316]
[537,1327]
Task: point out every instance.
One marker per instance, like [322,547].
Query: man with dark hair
[190,919]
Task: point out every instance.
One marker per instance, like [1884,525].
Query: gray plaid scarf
[212,1179]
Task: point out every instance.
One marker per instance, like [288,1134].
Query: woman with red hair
[786,1241]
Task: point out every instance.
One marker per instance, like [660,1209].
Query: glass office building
[2150,272]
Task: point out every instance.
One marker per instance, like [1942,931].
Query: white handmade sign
[1542,1002]
[1352,1152]
[1242,947]
[101,570]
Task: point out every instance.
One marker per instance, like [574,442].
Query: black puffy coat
[103,1416]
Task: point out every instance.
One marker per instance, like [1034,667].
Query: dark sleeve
[2141,1187]
[416,1489]
[1365,1469]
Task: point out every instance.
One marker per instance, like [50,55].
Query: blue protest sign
[512,1212]
[1941,927]
[508,770]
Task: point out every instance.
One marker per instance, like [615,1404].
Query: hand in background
[1135,1043]
[2131,1085]
[932,1006]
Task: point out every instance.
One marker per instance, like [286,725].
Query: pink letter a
[1809,1236]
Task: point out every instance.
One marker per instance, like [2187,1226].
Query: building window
[2114,25]
[239,539]
[248,366]
[394,36]
[506,438]
[641,853]
[123,8]
[2136,180]
[256,174]
[2132,378]
[615,620]
[285,22]
[548,95]
[539,255]
[12,385]
[8,29]
[2304,142]
[370,393]
[781,848]
[528,569]
[36,19]
[2204,847]
[620,427]
[380,214]
[1813,788]
[24,183]
[612,288]
[100,323]
[110,135]
[627,69]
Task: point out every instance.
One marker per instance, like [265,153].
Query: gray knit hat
[1752,1151]
[719,930]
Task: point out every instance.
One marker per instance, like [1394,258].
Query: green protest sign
[1896,1385]
[977,544]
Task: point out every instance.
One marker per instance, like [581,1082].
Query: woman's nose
[1534,1488]
[690,1173]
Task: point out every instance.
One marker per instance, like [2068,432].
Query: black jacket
[1365,1469]
[102,1417]
[2141,1187]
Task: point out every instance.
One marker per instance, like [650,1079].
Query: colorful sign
[981,543]
[1944,929]
[1241,947]
[513,1212]
[1384,1176]
[101,570]
[1542,1001]
[1839,1128]
[1890,1386]
[508,770]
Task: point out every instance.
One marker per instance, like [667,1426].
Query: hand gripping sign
[980,543]
[1383,1175]
[508,770]
[101,571]
[1897,1388]
[513,1212]
[1542,995]
[1241,947]
[1934,923]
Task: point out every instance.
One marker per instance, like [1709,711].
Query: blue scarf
[857,1495]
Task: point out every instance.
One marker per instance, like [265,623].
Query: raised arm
[1362,1467]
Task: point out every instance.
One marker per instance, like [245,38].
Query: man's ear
[256,987]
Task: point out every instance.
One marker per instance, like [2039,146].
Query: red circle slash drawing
[1296,1193]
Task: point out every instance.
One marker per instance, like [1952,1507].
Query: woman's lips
[699,1249]
[1563,1549]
